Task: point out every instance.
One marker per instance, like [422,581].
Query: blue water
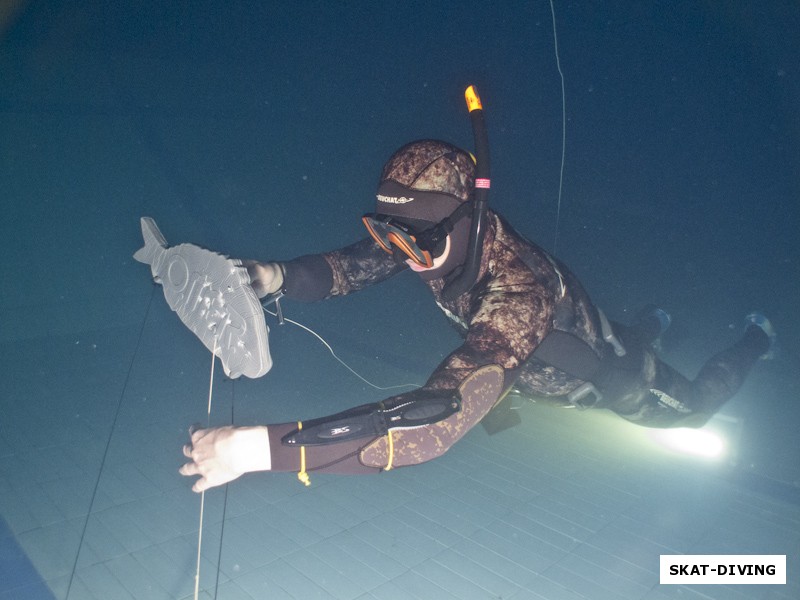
[259,130]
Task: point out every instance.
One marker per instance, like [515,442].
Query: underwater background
[258,129]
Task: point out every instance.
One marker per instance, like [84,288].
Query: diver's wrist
[252,449]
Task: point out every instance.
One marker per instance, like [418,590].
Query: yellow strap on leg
[302,475]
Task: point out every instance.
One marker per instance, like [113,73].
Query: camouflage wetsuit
[521,295]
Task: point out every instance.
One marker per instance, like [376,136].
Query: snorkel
[464,277]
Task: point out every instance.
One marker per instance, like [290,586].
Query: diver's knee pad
[479,392]
[661,410]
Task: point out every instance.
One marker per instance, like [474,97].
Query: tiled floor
[566,506]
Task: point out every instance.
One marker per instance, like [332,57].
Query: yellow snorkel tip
[463,278]
[472,98]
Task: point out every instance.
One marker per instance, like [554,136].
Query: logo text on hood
[394,199]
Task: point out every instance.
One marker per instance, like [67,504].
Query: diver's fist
[265,278]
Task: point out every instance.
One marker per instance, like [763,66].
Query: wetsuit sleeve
[360,265]
[339,272]
[307,278]
[396,446]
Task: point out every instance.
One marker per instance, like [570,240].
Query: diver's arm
[502,335]
[223,454]
[319,276]
[476,374]
[360,265]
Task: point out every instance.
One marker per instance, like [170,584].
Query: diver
[528,325]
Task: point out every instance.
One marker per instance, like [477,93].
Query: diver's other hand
[222,454]
[265,278]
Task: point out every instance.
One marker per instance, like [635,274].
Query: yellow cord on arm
[303,475]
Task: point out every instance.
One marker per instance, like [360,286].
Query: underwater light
[697,442]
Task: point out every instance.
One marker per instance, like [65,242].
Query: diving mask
[393,234]
[390,233]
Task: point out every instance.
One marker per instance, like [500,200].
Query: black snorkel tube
[464,277]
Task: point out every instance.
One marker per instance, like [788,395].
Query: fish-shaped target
[212,295]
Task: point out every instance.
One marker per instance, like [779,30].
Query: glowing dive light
[697,442]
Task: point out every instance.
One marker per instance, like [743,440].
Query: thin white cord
[563,127]
[344,364]
[203,493]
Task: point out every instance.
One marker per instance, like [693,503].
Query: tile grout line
[108,442]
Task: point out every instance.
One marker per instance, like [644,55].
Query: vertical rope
[563,128]
[203,493]
[225,501]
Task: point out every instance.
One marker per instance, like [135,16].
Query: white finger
[189,469]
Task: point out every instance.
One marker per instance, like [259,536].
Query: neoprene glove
[265,278]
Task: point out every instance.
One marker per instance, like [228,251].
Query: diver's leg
[674,401]
[723,374]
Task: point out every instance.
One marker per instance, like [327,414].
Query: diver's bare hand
[265,278]
[222,454]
